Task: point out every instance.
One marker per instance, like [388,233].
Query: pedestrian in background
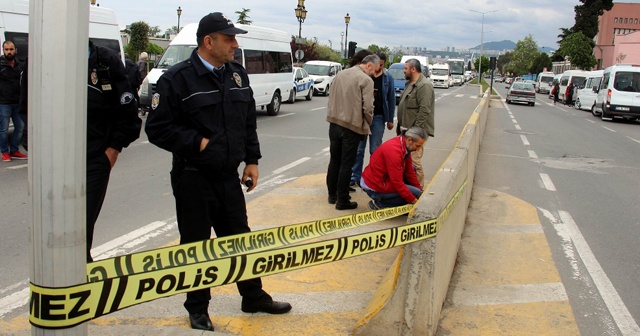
[568,95]
[349,113]
[10,71]
[384,107]
[204,113]
[390,179]
[143,66]
[556,93]
[112,124]
[417,108]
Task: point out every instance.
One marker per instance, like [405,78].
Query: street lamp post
[301,15]
[179,11]
[341,43]
[347,19]
[481,42]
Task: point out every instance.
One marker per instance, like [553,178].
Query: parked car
[508,80]
[322,73]
[397,72]
[586,96]
[522,92]
[618,93]
[302,85]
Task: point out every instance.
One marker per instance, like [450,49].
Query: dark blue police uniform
[192,103]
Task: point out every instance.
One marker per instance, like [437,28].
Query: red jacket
[390,169]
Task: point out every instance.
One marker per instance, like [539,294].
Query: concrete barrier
[411,295]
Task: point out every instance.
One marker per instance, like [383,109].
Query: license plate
[622,108]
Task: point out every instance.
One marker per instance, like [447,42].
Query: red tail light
[609,97]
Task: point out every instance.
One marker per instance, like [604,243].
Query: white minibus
[264,53]
[619,93]
[544,82]
[586,97]
[577,77]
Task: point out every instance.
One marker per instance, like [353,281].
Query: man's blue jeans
[7,112]
[389,200]
[375,140]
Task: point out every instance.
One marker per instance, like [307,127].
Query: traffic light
[492,63]
[352,49]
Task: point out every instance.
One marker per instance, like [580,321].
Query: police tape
[223,247]
[64,307]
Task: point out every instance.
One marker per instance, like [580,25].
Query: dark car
[522,92]
[397,72]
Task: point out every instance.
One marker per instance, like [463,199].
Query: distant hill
[502,45]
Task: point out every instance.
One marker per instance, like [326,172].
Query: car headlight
[144,88]
[318,80]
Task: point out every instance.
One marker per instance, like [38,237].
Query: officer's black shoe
[269,307]
[200,321]
[332,199]
[346,205]
[352,189]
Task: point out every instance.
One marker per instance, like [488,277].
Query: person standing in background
[10,71]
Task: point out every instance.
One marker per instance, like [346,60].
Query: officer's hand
[389,125]
[250,172]
[112,154]
[203,143]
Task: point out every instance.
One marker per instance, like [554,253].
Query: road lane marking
[548,184]
[532,154]
[616,306]
[514,121]
[459,95]
[632,139]
[285,115]
[518,128]
[591,121]
[525,141]
[319,108]
[291,165]
[18,166]
[609,129]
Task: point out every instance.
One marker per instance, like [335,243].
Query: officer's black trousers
[205,202]
[98,170]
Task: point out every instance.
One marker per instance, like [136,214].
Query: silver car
[521,92]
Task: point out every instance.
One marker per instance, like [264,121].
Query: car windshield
[174,55]
[546,79]
[578,81]
[627,81]
[397,73]
[522,86]
[317,70]
[440,72]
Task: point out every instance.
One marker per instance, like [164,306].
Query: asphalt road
[582,175]
[139,214]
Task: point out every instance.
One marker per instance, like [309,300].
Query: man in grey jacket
[349,114]
[417,108]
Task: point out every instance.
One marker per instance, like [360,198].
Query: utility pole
[481,43]
[58,30]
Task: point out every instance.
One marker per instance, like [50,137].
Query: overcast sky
[423,23]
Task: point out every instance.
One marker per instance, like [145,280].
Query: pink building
[618,39]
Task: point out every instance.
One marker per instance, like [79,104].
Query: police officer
[112,124]
[205,114]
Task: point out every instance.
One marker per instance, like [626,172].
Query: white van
[14,26]
[322,73]
[264,53]
[424,61]
[441,75]
[586,97]
[544,82]
[577,77]
[619,93]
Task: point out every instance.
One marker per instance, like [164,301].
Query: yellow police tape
[207,250]
[64,307]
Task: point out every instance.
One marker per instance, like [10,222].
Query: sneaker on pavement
[6,157]
[18,156]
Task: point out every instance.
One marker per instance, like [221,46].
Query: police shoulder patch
[126,98]
[238,79]
[155,100]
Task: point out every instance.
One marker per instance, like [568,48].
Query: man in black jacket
[112,124]
[205,114]
[10,70]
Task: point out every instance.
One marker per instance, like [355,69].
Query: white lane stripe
[525,141]
[632,139]
[14,301]
[291,165]
[473,97]
[548,184]
[514,121]
[285,115]
[617,308]
[518,128]
[319,108]
[591,121]
[18,166]
[532,154]
[459,95]
[609,129]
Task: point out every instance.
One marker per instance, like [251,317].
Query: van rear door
[626,90]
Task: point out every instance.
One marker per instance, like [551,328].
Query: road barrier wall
[410,297]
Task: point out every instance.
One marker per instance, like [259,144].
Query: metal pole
[57,151]
[346,40]
[481,49]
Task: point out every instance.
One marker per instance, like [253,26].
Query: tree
[587,16]
[309,49]
[541,62]
[579,48]
[485,63]
[243,16]
[154,31]
[172,30]
[523,55]
[325,53]
[139,37]
[502,61]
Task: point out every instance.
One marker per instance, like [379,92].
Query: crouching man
[390,178]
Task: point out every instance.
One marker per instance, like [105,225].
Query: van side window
[111,44]
[260,62]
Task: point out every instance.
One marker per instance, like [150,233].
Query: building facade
[618,39]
